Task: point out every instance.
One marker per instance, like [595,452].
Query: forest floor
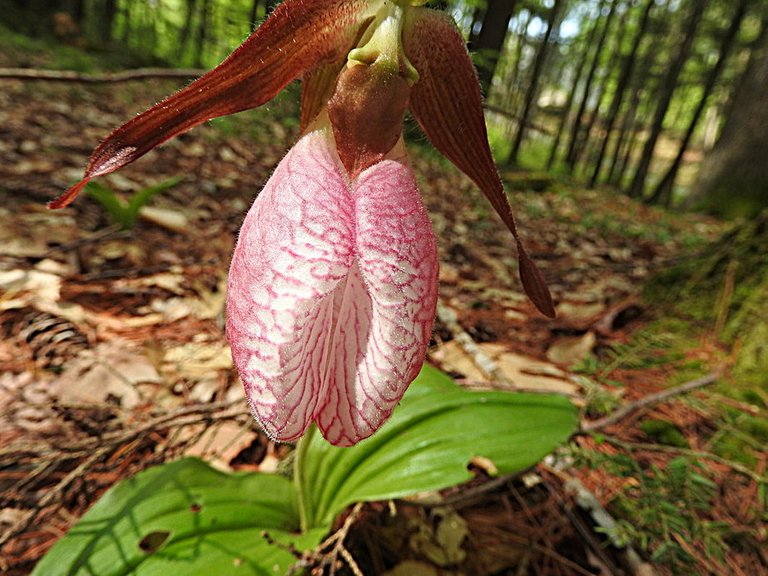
[120,333]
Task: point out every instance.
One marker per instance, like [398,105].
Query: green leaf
[105,196]
[141,197]
[126,214]
[426,445]
[184,518]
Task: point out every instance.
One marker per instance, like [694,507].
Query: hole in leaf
[153,541]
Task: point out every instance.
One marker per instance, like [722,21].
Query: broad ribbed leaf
[184,518]
[428,442]
[447,104]
[297,37]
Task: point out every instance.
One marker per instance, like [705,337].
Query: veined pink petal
[332,293]
[396,255]
[298,36]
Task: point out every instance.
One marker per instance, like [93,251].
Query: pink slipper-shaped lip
[332,294]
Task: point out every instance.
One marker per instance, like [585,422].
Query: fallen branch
[109,77]
[650,400]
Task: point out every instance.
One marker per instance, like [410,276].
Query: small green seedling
[126,213]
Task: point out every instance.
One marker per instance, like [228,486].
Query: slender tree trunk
[476,24]
[107,24]
[576,127]
[665,97]
[582,141]
[641,83]
[127,23]
[625,152]
[202,32]
[572,92]
[253,15]
[490,39]
[663,191]
[621,86]
[533,86]
[186,30]
[522,40]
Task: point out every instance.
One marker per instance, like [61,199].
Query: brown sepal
[366,113]
[298,36]
[447,104]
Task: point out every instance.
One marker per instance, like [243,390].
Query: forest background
[632,133]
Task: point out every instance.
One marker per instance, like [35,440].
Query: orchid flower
[333,282]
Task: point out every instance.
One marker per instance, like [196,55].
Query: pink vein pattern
[332,294]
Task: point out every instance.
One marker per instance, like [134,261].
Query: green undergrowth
[707,311]
[661,506]
[721,292]
[21,51]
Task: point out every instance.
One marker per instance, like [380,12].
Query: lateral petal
[378,356]
[297,37]
[447,104]
[295,248]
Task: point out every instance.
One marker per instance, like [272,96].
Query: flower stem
[305,508]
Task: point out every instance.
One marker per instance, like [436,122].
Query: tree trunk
[476,24]
[572,92]
[186,31]
[522,40]
[665,97]
[107,24]
[583,141]
[127,30]
[253,15]
[533,86]
[631,122]
[621,86]
[576,127]
[626,148]
[490,39]
[202,33]
[734,177]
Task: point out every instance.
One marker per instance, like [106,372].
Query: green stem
[306,518]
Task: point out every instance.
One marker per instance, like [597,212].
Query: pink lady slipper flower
[333,282]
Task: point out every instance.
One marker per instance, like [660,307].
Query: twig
[487,366]
[96,237]
[649,400]
[109,77]
[588,502]
[336,544]
[186,416]
[55,492]
[95,449]
[735,466]
[472,384]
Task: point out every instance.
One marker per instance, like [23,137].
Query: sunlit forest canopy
[626,93]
